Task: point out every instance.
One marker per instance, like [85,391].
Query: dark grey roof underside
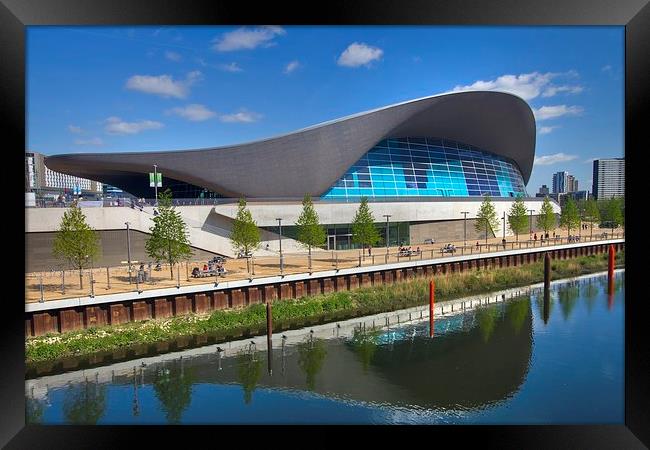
[312,159]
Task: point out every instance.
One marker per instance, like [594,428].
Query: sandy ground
[111,280]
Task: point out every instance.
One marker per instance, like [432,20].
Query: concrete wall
[448,230]
[113,250]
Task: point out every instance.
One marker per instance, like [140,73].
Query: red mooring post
[431,302]
[610,275]
[610,272]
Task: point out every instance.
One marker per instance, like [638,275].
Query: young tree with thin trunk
[570,219]
[169,238]
[486,218]
[592,214]
[75,242]
[245,236]
[546,219]
[308,228]
[364,231]
[615,212]
[517,219]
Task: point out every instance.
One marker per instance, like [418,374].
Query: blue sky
[112,89]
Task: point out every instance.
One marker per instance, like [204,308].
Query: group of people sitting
[449,248]
[213,267]
[404,251]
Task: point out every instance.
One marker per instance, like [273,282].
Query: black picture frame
[15,15]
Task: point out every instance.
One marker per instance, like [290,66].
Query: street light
[465,213]
[504,226]
[155,183]
[531,221]
[387,216]
[281,258]
[128,248]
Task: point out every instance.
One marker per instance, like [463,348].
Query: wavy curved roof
[310,160]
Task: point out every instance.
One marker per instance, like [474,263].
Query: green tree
[615,212]
[308,228]
[75,241]
[245,236]
[591,213]
[249,372]
[364,231]
[546,218]
[570,219]
[173,388]
[517,219]
[486,218]
[84,403]
[169,238]
[311,356]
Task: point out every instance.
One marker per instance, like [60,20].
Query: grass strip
[291,314]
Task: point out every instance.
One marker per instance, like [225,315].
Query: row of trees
[78,244]
[610,213]
[246,236]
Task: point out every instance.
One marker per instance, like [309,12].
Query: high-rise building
[572,184]
[608,178]
[544,190]
[560,182]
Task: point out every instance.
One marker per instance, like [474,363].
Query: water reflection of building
[479,358]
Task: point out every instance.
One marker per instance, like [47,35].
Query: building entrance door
[331,242]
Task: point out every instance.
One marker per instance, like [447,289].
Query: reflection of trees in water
[589,292]
[311,355]
[568,298]
[84,403]
[486,321]
[516,312]
[34,409]
[364,343]
[173,388]
[249,372]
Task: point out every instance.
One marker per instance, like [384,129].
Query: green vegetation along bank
[292,314]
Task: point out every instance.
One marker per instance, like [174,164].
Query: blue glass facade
[428,167]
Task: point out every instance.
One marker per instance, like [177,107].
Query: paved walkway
[56,285]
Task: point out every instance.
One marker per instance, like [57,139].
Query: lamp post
[387,216]
[504,225]
[465,213]
[280,234]
[530,227]
[155,183]
[128,248]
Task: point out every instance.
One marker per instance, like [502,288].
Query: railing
[58,284]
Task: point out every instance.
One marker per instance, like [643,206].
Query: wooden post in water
[269,332]
[431,304]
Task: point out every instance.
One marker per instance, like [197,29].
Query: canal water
[499,363]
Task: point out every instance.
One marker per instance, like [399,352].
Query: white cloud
[193,112]
[163,85]
[232,67]
[115,125]
[606,68]
[359,54]
[552,112]
[247,39]
[240,117]
[93,141]
[552,90]
[173,56]
[74,129]
[293,65]
[589,161]
[526,85]
[547,160]
[547,130]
